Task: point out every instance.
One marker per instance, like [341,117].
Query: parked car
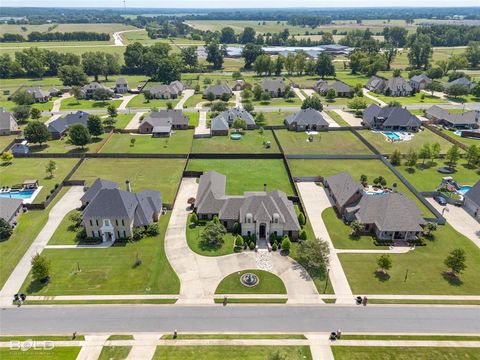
[441,200]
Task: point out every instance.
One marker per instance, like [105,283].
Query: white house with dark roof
[220,124]
[392,118]
[471,202]
[258,213]
[306,120]
[170,91]
[113,213]
[276,87]
[161,123]
[8,123]
[121,86]
[390,216]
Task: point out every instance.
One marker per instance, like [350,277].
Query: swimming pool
[20,194]
[463,189]
[392,135]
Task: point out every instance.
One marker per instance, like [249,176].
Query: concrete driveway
[135,122]
[200,275]
[349,118]
[238,99]
[186,95]
[299,93]
[460,221]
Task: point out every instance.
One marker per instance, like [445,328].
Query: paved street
[217,318]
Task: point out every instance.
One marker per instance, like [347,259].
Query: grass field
[234,336]
[268,284]
[407,100]
[101,28]
[426,270]
[337,118]
[32,168]
[239,25]
[370,168]
[230,352]
[111,270]
[379,141]
[114,352]
[5,141]
[65,146]
[252,141]
[428,178]
[157,174]
[140,102]
[123,120]
[463,140]
[402,353]
[276,117]
[247,175]
[74,104]
[195,244]
[29,225]
[330,142]
[64,353]
[65,234]
[179,142]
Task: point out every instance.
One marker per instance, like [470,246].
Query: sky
[243,3]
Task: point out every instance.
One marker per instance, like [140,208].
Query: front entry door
[262,230]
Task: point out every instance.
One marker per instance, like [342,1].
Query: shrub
[301,219]
[274,246]
[138,233]
[194,218]
[40,267]
[251,245]
[6,229]
[152,230]
[236,228]
[302,235]
[286,244]
[239,241]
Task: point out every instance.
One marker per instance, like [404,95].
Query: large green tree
[79,135]
[250,52]
[72,75]
[94,63]
[36,132]
[419,51]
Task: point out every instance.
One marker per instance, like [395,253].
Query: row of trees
[56,36]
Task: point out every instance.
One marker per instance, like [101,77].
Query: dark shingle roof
[474,193]
[8,207]
[164,118]
[98,184]
[7,120]
[307,117]
[60,125]
[343,187]
[229,116]
[218,90]
[467,118]
[273,85]
[392,115]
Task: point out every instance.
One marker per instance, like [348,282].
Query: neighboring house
[89,89]
[276,87]
[161,123]
[97,186]
[419,82]
[121,86]
[55,92]
[171,91]
[113,213]
[390,216]
[258,213]
[20,148]
[8,123]
[9,209]
[471,202]
[390,118]
[341,89]
[396,86]
[39,95]
[467,120]
[239,85]
[59,127]
[217,91]
[461,81]
[306,120]
[221,123]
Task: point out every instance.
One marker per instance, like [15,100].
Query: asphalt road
[165,318]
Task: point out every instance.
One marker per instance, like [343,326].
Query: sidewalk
[69,201]
[331,123]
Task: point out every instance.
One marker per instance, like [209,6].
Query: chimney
[265,187]
[129,187]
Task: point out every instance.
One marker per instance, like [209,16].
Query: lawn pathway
[186,95]
[309,92]
[69,202]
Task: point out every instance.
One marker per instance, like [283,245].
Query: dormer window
[276,218]
[248,218]
[106,222]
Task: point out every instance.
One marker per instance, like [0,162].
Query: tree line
[56,36]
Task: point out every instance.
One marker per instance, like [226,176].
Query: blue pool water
[463,189]
[392,135]
[22,194]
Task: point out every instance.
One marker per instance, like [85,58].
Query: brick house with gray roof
[306,120]
[8,123]
[275,87]
[392,118]
[170,91]
[419,82]
[341,89]
[466,120]
[396,86]
[217,91]
[113,213]
[59,127]
[220,124]
[258,213]
[161,123]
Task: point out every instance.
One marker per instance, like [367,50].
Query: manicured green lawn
[193,118]
[247,175]
[111,270]
[428,178]
[278,102]
[65,234]
[179,142]
[235,336]
[275,117]
[268,284]
[63,353]
[402,353]
[463,140]
[379,141]
[195,244]
[74,104]
[340,233]
[29,225]
[139,102]
[425,268]
[34,168]
[337,118]
[5,141]
[193,100]
[157,174]
[114,352]
[9,105]
[65,146]
[230,352]
[41,338]
[464,99]
[123,120]
[415,99]
[356,168]
[252,141]
[329,142]
[120,337]
[412,337]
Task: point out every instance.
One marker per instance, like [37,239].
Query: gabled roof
[219,124]
[467,118]
[273,85]
[98,184]
[37,92]
[307,117]
[175,87]
[94,86]
[420,78]
[218,90]
[389,212]
[170,117]
[60,125]
[229,117]
[8,207]
[7,120]
[376,83]
[343,187]
[474,194]
[391,116]
[398,84]
[460,81]
[121,81]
